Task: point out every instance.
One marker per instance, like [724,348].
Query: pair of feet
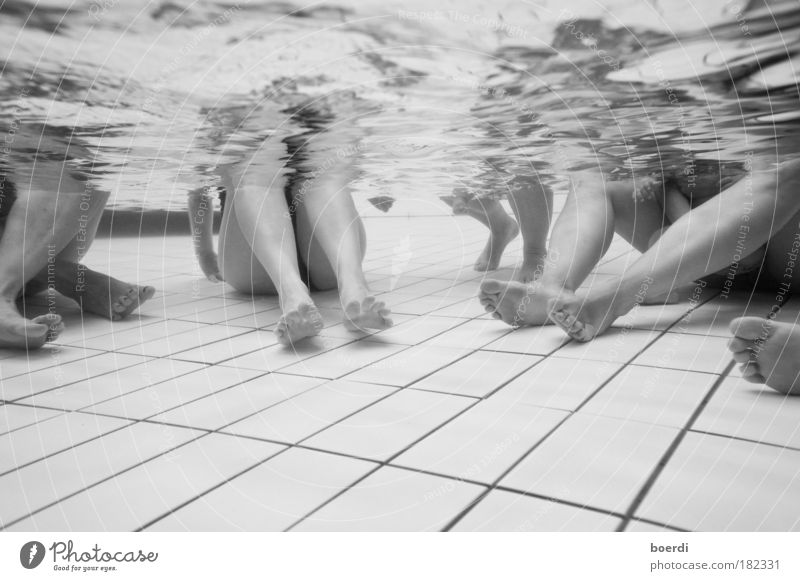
[582,316]
[301,318]
[97,293]
[500,236]
[768,351]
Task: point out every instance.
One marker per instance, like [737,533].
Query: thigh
[322,276]
[783,255]
[238,265]
[637,215]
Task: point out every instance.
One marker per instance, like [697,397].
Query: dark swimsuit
[8,194]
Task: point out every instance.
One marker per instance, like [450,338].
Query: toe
[750,369]
[743,356]
[737,345]
[53,332]
[755,378]
[491,286]
[751,328]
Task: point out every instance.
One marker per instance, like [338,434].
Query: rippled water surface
[150,99]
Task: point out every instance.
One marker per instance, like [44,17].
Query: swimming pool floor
[189,416]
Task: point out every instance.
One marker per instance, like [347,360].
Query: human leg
[43,221]
[737,222]
[532,204]
[332,241]
[502,230]
[581,235]
[257,248]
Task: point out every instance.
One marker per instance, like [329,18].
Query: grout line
[665,458]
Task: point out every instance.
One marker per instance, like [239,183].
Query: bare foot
[17,332]
[366,314]
[768,351]
[515,303]
[98,293]
[299,322]
[587,314]
[499,238]
[532,266]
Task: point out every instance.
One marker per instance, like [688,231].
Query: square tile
[417,329]
[471,335]
[478,374]
[131,335]
[235,346]
[558,383]
[95,390]
[593,461]
[65,374]
[713,483]
[310,412]
[394,500]
[344,360]
[389,426]
[232,310]
[230,405]
[639,526]
[193,339]
[653,395]
[174,392]
[42,483]
[753,412]
[409,365]
[506,511]
[271,496]
[154,488]
[280,356]
[257,320]
[39,440]
[653,317]
[532,340]
[690,352]
[483,442]
[17,363]
[13,417]
[616,345]
[713,317]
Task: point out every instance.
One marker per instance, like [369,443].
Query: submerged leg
[532,204]
[257,249]
[333,242]
[737,222]
[502,230]
[581,235]
[48,214]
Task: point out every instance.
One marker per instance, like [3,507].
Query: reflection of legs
[333,244]
[532,204]
[580,238]
[768,351]
[257,251]
[736,222]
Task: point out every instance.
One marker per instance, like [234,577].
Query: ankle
[534,250]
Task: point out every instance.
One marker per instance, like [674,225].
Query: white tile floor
[189,416]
